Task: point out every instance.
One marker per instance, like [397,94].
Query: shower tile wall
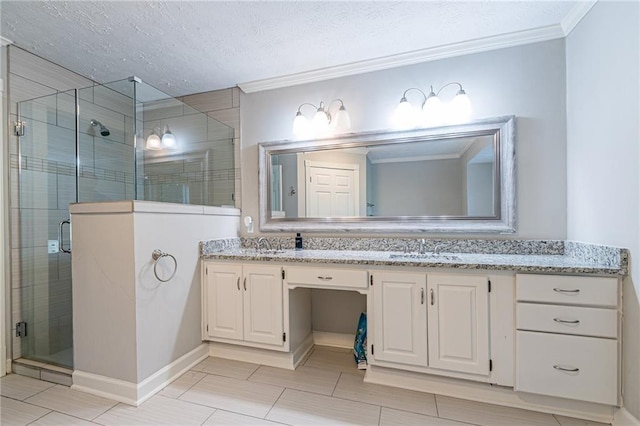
[204,171]
[224,106]
[42,281]
[105,167]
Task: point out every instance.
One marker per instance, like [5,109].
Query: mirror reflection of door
[332,189]
[276,191]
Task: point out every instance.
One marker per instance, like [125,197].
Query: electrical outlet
[52,246]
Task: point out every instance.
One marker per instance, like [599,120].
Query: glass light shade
[320,121]
[153,142]
[168,140]
[460,108]
[404,116]
[301,125]
[342,121]
[432,110]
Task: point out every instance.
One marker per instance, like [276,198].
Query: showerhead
[103,130]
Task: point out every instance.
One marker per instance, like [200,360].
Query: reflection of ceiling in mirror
[423,150]
[484,156]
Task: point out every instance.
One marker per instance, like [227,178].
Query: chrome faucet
[260,241]
[423,246]
[438,249]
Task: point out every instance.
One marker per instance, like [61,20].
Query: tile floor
[326,390]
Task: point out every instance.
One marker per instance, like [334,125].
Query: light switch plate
[52,246]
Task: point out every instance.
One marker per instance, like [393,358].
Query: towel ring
[158,254]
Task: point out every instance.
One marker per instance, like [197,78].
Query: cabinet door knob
[561,290]
[422,296]
[431,296]
[566,321]
[238,283]
[570,370]
[245,283]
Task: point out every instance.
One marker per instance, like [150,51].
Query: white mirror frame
[503,129]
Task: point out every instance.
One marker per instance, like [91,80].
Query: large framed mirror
[458,178]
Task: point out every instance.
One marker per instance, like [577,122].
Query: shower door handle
[60,239]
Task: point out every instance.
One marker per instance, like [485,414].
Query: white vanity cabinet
[568,337]
[400,317]
[243,302]
[458,319]
[434,320]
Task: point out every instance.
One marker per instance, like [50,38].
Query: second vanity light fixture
[322,120]
[157,142]
[433,111]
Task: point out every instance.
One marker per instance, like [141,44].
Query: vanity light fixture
[156,142]
[433,111]
[153,141]
[168,140]
[322,120]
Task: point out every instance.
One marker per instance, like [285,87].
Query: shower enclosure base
[42,371]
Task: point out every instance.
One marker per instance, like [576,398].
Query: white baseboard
[483,392]
[624,418]
[136,393]
[339,340]
[272,358]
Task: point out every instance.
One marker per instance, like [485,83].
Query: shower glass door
[47,171]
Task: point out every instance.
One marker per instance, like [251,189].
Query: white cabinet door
[263,315]
[458,323]
[224,301]
[400,317]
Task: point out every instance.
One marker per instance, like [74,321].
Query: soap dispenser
[298,241]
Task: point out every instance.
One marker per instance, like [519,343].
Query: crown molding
[5,41]
[484,44]
[575,15]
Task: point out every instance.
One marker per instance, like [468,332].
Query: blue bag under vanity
[360,344]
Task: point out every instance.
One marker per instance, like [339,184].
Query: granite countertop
[544,263]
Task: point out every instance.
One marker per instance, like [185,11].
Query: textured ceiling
[187,47]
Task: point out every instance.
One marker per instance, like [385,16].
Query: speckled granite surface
[509,255]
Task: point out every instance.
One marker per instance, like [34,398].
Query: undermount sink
[269,251]
[426,256]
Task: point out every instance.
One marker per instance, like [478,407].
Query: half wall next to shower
[91,144]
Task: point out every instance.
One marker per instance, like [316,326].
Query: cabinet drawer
[574,367]
[569,290]
[327,277]
[567,319]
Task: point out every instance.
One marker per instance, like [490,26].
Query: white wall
[528,81]
[603,153]
[418,188]
[168,315]
[128,325]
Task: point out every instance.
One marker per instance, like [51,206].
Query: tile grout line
[45,414]
[215,410]
[253,372]
[336,385]
[108,409]
[190,387]
[275,402]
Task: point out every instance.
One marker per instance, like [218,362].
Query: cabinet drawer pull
[325,278]
[238,283]
[561,290]
[571,370]
[245,283]
[566,321]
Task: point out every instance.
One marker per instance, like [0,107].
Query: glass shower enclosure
[92,144]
